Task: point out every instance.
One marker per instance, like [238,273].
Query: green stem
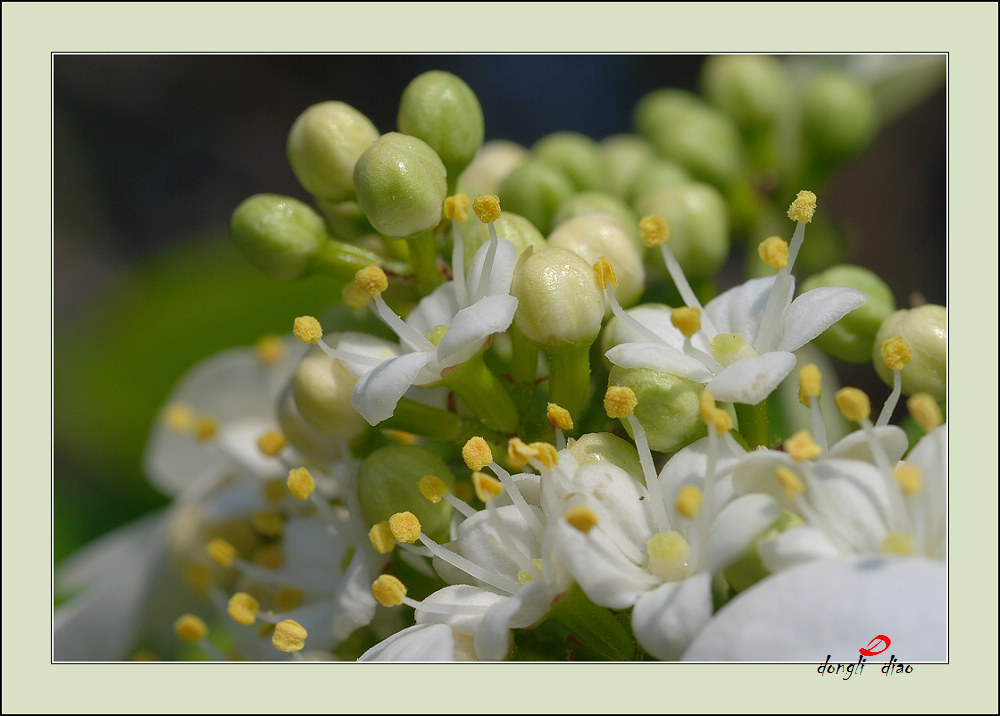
[343,260]
[484,393]
[596,628]
[420,419]
[753,423]
[569,376]
[423,259]
[524,359]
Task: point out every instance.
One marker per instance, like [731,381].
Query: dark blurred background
[153,152]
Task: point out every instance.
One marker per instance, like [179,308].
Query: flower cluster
[548,434]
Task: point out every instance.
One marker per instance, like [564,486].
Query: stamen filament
[494,579]
[399,327]
[517,498]
[892,400]
[656,505]
[684,288]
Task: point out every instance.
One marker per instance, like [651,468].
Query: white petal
[462,599]
[519,610]
[855,446]
[436,309]
[667,619]
[656,356]
[603,573]
[502,273]
[366,347]
[423,642]
[834,608]
[814,311]
[794,547]
[376,393]
[740,309]
[479,539]
[751,380]
[473,325]
[736,527]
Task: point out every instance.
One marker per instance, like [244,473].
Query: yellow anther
[268,522]
[476,453]
[810,383]
[456,207]
[722,422]
[559,417]
[206,427]
[518,452]
[288,598]
[605,273]
[791,482]
[803,208]
[190,628]
[269,556]
[144,655]
[270,349]
[307,329]
[774,252]
[353,296]
[654,230]
[898,543]
[401,436]
[581,517]
[487,207]
[289,636]
[801,446]
[221,552]
[689,501]
[198,578]
[523,577]
[911,482]
[925,410]
[380,535]
[271,442]
[275,490]
[243,608]
[486,486]
[686,319]
[179,417]
[712,415]
[896,353]
[405,527]
[433,488]
[853,404]
[546,454]
[619,401]
[372,280]
[388,590]
[301,483]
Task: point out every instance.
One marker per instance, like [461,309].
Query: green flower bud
[626,155]
[321,388]
[278,234]
[401,185]
[443,111]
[516,229]
[324,145]
[596,202]
[699,225]
[592,236]
[388,482]
[667,409]
[535,189]
[606,447]
[852,338]
[839,116]
[559,302]
[753,90]
[579,157]
[926,330]
[662,172]
[493,163]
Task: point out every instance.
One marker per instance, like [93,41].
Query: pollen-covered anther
[898,543]
[289,636]
[205,427]
[803,207]
[810,383]
[686,319]
[380,535]
[372,280]
[605,273]
[179,417]
[896,353]
[689,501]
[654,229]
[388,590]
[619,401]
[487,207]
[269,349]
[221,552]
[405,527]
[190,628]
[790,481]
[243,608]
[301,483]
[353,296]
[518,453]
[801,447]
[713,416]
[559,417]
[432,488]
[271,442]
[546,454]
[486,486]
[269,523]
[853,404]
[476,453]
[581,517]
[456,207]
[911,482]
[774,252]
[925,410]
[307,329]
